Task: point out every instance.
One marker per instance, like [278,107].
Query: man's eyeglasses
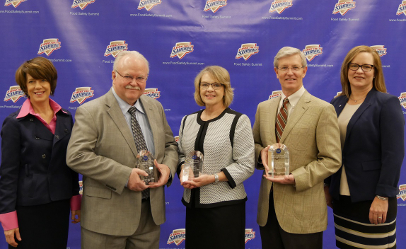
[130,78]
[294,69]
[365,67]
[215,86]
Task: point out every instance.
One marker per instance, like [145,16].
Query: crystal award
[145,161]
[193,166]
[278,160]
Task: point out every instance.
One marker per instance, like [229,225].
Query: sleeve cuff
[9,220]
[75,202]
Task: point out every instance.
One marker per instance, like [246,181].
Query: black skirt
[216,228]
[354,230]
[44,226]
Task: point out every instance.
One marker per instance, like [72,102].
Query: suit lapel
[63,126]
[115,113]
[364,106]
[152,119]
[272,112]
[341,102]
[300,109]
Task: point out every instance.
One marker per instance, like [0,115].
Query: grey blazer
[313,139]
[102,149]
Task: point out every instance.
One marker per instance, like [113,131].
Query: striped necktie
[138,139]
[281,120]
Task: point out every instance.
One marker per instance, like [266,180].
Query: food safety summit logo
[15,3]
[402,99]
[402,8]
[152,92]
[115,47]
[214,5]
[311,51]
[14,94]
[247,50]
[81,94]
[148,4]
[380,49]
[181,49]
[177,236]
[48,46]
[275,94]
[82,4]
[280,5]
[343,6]
[402,192]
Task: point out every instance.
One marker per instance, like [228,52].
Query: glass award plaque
[187,172]
[278,160]
[145,161]
[193,166]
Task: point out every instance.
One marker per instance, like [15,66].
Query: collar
[294,98]
[124,106]
[26,108]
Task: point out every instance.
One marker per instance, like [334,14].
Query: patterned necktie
[281,120]
[138,139]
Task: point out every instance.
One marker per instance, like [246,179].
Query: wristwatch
[382,198]
[216,179]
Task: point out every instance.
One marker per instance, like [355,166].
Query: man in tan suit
[118,209]
[292,211]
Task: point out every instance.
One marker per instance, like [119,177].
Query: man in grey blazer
[292,211]
[115,212]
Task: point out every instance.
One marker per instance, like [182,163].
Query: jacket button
[44,156]
[31,119]
[37,138]
[56,136]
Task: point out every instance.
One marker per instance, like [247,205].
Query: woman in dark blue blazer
[36,186]
[363,191]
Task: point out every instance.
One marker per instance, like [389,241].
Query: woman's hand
[378,211]
[198,182]
[75,216]
[11,235]
[329,199]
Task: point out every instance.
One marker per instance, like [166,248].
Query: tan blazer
[102,149]
[313,139]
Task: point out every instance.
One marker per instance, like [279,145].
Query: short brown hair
[289,51]
[378,81]
[38,68]
[221,75]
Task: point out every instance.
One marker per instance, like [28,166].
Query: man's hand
[289,179]
[264,158]
[11,234]
[163,179]
[134,182]
[329,198]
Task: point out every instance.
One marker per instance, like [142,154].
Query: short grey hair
[288,51]
[124,54]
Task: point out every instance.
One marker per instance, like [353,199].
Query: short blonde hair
[378,81]
[221,75]
[39,68]
[126,53]
[288,51]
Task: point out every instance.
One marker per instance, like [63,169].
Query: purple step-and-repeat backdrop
[179,38]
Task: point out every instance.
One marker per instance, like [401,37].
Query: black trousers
[44,226]
[274,237]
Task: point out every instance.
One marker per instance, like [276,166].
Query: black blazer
[33,164]
[374,147]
